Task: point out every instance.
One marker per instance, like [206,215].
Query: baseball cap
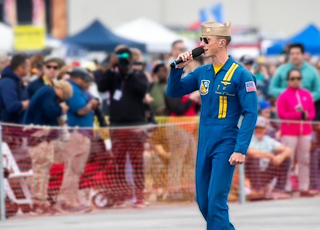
[261,122]
[81,73]
[263,105]
[247,60]
[57,60]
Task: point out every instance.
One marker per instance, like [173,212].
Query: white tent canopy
[6,38]
[157,37]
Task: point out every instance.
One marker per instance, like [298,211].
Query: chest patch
[204,87]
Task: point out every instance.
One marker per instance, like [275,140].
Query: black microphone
[195,53]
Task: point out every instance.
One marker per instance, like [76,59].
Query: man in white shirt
[267,159]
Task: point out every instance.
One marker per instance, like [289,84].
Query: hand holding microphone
[185,58]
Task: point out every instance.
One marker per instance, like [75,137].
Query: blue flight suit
[225,96]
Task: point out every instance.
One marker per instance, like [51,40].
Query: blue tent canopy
[309,37]
[96,37]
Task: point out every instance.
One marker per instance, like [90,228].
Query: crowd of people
[40,91]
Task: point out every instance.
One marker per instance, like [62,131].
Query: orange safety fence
[123,166]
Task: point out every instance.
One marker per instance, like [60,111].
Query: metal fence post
[242,192]
[2,193]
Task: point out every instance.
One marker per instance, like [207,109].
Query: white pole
[242,193]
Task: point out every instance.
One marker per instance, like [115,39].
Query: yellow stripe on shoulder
[230,72]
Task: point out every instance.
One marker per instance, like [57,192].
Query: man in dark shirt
[13,96]
[44,110]
[127,90]
[51,67]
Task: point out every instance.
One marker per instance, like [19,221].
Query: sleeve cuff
[239,149]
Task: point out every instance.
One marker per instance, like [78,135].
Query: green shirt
[158,94]
[310,80]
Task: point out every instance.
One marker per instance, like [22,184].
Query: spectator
[127,90]
[310,80]
[296,104]
[80,114]
[182,162]
[160,163]
[51,67]
[247,62]
[139,65]
[317,65]
[45,109]
[266,159]
[264,110]
[36,67]
[272,67]
[158,89]
[13,95]
[261,72]
[4,61]
[177,48]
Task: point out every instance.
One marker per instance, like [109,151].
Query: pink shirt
[287,103]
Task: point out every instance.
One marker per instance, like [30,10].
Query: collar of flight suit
[225,67]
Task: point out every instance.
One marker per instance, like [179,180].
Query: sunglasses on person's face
[52,67]
[295,79]
[205,40]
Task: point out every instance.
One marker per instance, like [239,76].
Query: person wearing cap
[127,88]
[45,109]
[247,62]
[296,108]
[264,110]
[81,109]
[227,91]
[51,66]
[267,159]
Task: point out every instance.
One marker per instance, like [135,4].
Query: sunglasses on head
[205,40]
[52,67]
[295,79]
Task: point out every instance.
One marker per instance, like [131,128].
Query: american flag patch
[250,86]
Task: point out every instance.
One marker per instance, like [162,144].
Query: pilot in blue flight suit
[227,91]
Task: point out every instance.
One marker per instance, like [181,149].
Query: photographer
[296,104]
[127,88]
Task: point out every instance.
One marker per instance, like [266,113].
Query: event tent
[309,37]
[157,37]
[96,37]
[6,43]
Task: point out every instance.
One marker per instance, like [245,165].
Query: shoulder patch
[204,87]
[250,86]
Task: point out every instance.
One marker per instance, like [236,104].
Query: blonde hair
[136,55]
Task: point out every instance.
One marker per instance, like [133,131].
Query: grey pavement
[296,214]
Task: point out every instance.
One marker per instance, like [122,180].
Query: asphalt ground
[293,214]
